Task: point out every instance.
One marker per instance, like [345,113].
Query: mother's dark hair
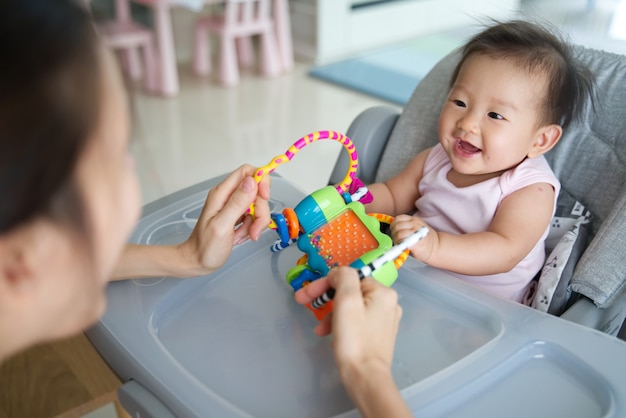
[49,105]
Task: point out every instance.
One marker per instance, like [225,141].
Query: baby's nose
[468,123]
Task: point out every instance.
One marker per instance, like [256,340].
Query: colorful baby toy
[330,225]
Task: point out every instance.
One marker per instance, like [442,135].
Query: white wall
[327,30]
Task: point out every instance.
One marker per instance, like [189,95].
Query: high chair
[235,343]
[129,37]
[235,25]
[589,161]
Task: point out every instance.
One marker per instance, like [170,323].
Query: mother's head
[67,184]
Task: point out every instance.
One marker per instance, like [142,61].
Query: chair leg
[201,51]
[282,27]
[168,72]
[245,51]
[124,58]
[270,60]
[229,71]
[134,63]
[151,81]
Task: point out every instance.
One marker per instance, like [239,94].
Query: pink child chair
[128,37]
[239,21]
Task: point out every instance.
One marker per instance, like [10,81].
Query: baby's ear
[545,138]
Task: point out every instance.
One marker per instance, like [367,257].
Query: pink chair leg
[245,51]
[134,64]
[229,73]
[125,59]
[270,60]
[201,51]
[282,25]
[168,73]
[151,81]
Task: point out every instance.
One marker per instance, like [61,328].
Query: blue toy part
[357,196]
[317,208]
[300,275]
[361,239]
[333,230]
[281,229]
[279,245]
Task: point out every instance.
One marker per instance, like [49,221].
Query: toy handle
[388,219]
[341,187]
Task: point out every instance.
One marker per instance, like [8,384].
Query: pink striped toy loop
[341,187]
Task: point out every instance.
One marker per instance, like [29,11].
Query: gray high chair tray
[236,344]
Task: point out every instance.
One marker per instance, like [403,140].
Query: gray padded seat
[589,160]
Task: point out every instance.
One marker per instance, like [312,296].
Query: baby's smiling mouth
[466,147]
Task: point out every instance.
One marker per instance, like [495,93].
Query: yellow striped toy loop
[342,187]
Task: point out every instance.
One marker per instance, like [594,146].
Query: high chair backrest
[589,160]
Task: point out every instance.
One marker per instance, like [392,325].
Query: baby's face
[490,121]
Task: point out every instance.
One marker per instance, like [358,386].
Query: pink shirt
[448,208]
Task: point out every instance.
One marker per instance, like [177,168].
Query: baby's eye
[494,115]
[459,103]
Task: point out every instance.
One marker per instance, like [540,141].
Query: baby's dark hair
[570,83]
[50,86]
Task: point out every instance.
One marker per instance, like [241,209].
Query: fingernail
[247,185]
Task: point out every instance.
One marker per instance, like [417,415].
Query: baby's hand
[405,225]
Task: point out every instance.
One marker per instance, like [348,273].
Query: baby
[485,191]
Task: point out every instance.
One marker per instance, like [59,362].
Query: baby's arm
[519,223]
[398,194]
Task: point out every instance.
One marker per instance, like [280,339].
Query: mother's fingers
[311,291]
[264,188]
[236,203]
[348,291]
[241,231]
[378,296]
[325,326]
[220,194]
[261,217]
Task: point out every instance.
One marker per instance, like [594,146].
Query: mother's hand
[224,221]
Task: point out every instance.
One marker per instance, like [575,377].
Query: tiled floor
[208,130]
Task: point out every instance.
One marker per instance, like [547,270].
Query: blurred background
[208,129]
[333,59]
